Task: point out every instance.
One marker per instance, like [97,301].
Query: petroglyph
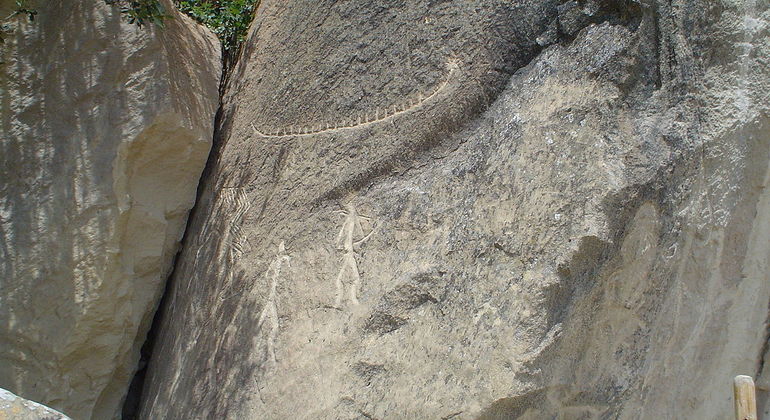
[221,244]
[366,118]
[232,241]
[236,200]
[351,228]
[223,238]
[269,313]
[231,202]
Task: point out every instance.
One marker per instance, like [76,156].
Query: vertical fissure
[765,346]
[135,394]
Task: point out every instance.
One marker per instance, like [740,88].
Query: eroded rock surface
[105,130]
[479,209]
[13,407]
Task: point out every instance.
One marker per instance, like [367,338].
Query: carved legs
[348,264]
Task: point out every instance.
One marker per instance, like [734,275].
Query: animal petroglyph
[269,313]
[367,118]
[222,241]
[351,228]
[236,201]
[233,204]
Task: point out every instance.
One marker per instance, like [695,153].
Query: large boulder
[479,209]
[105,131]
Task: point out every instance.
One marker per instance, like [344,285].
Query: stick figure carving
[270,311]
[351,228]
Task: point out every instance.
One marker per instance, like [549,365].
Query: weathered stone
[572,18]
[578,231]
[105,130]
[13,407]
[550,36]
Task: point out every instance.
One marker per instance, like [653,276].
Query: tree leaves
[229,19]
[142,12]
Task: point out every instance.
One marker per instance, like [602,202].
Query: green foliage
[229,19]
[141,12]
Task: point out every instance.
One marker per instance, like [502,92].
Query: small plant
[141,12]
[229,19]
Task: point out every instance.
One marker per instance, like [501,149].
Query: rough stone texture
[105,131]
[13,407]
[479,209]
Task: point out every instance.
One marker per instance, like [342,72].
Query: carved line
[366,118]
[270,310]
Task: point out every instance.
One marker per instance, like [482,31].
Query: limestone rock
[13,407]
[105,131]
[417,211]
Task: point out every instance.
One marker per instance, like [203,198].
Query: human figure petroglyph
[270,310]
[387,113]
[351,228]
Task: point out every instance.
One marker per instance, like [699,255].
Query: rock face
[13,407]
[479,209]
[105,131]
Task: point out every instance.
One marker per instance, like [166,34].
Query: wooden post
[745,398]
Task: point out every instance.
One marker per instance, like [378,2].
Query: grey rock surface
[479,209]
[13,407]
[104,131]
